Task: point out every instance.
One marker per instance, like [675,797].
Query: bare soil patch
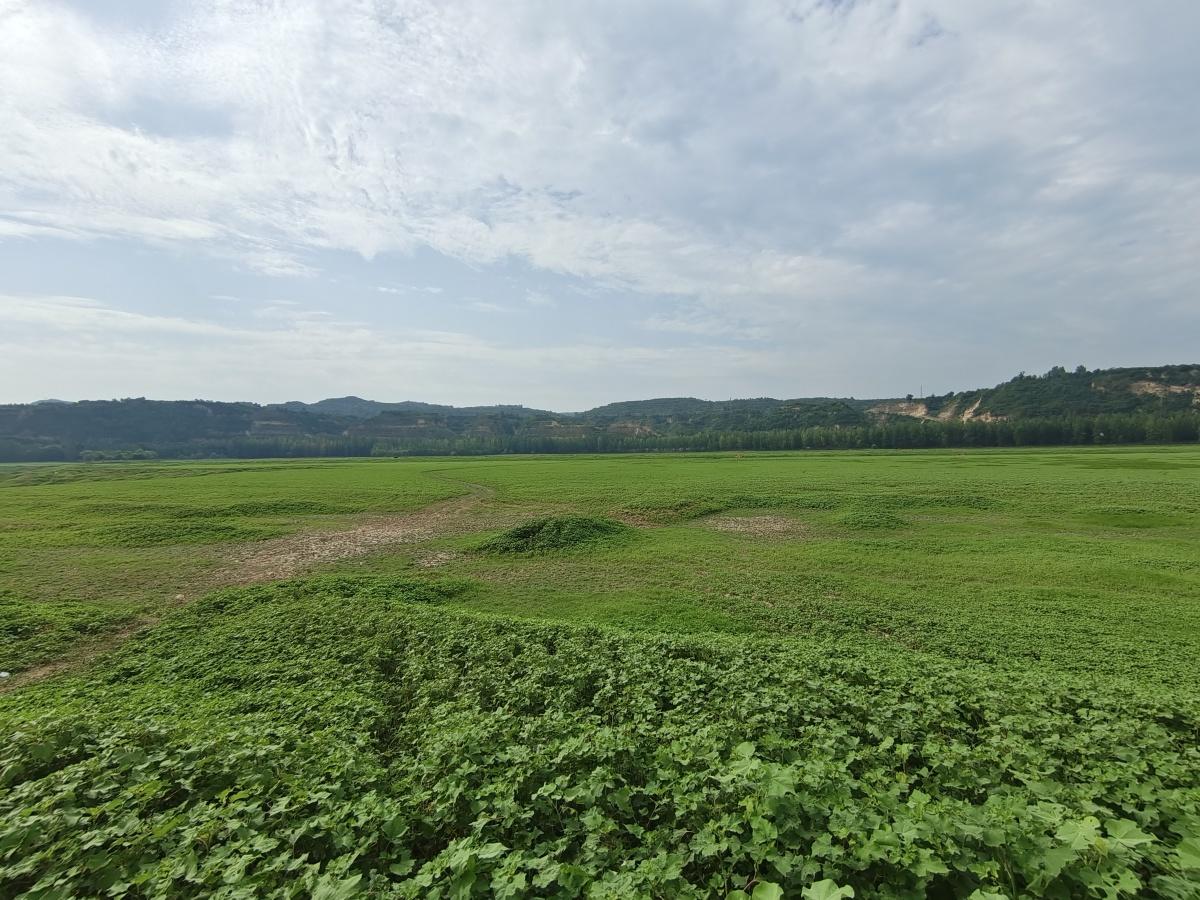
[294,554]
[1158,389]
[438,558]
[758,526]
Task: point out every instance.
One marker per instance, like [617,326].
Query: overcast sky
[566,203]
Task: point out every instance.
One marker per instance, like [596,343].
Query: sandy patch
[440,558]
[759,526]
[294,554]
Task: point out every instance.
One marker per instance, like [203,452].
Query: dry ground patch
[289,556]
[756,525]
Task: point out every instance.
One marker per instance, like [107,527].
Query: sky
[563,204]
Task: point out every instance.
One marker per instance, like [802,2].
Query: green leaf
[763,831]
[1126,833]
[778,782]
[1188,853]
[330,887]
[1128,883]
[827,890]
[493,850]
[767,890]
[930,865]
[1055,860]
[1080,835]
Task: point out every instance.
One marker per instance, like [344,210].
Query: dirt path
[287,557]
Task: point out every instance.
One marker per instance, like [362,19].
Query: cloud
[85,316]
[408,289]
[289,352]
[786,172]
[486,306]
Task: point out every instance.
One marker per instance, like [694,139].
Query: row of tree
[1138,428]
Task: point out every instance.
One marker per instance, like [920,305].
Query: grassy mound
[552,533]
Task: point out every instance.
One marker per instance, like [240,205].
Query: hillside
[1162,389]
[1156,404]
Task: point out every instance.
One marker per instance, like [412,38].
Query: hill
[353,407]
[1162,389]
[1121,405]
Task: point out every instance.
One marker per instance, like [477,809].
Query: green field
[928,674]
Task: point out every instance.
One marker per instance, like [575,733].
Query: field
[819,675]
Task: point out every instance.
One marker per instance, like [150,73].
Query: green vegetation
[869,517]
[1059,393]
[1154,405]
[34,632]
[86,548]
[551,533]
[941,674]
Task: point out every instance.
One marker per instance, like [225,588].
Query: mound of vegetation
[667,512]
[549,534]
[1131,517]
[331,738]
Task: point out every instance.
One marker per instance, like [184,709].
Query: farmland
[872,674]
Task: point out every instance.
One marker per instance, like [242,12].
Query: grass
[946,674]
[117,542]
[553,534]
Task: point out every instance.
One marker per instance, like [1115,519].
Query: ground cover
[89,549]
[906,675]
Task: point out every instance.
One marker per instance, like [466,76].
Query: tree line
[1133,428]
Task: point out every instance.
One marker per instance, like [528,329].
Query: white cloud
[288,353]
[787,173]
[408,289]
[487,306]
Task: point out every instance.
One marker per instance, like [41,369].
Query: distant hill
[1062,393]
[358,408]
[1080,406]
[351,407]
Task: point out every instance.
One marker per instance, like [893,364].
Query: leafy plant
[332,737]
